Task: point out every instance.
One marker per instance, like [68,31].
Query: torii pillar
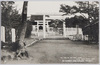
[37,29]
[44,30]
[64,29]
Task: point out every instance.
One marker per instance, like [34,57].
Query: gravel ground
[59,52]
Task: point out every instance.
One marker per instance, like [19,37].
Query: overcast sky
[36,7]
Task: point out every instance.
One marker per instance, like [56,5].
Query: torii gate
[62,18]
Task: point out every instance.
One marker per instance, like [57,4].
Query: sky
[43,7]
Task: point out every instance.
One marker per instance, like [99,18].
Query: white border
[50,0]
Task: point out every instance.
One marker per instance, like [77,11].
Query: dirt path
[61,51]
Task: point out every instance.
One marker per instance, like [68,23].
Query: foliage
[91,9]
[68,9]
[9,15]
[56,23]
[89,25]
[76,20]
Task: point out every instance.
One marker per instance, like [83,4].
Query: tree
[56,23]
[86,7]
[76,20]
[9,15]
[68,10]
[92,9]
[10,18]
[23,26]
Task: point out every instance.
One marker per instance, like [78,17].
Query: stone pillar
[77,29]
[64,29]
[44,30]
[3,33]
[47,27]
[33,28]
[37,28]
[13,35]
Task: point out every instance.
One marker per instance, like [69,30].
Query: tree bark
[22,34]
[24,24]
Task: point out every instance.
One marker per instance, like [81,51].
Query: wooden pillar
[64,29]
[13,35]
[44,30]
[3,33]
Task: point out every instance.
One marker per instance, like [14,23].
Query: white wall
[73,31]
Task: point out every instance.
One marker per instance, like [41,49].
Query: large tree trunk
[22,31]
[24,24]
[22,34]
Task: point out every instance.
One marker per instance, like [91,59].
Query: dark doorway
[40,27]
